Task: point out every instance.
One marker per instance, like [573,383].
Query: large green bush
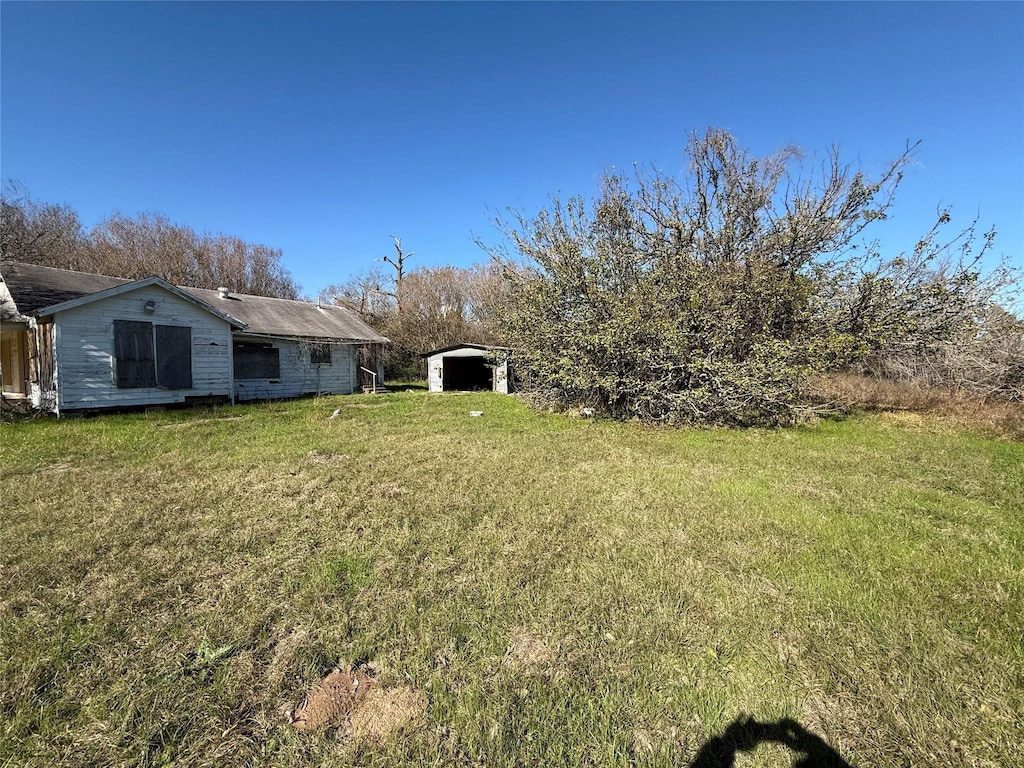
[711,298]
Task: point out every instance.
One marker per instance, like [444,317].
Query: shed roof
[481,347]
[34,288]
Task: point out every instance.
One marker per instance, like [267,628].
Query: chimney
[223,292]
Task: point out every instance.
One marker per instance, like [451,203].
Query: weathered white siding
[85,350]
[298,375]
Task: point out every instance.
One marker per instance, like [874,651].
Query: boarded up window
[254,360]
[320,353]
[174,356]
[135,365]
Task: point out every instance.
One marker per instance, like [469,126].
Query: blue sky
[323,128]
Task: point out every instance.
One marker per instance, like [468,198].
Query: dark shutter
[174,356]
[254,360]
[133,352]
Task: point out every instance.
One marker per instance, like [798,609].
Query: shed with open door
[468,368]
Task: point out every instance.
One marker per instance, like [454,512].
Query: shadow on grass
[745,733]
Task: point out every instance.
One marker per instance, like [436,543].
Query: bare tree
[38,233]
[368,293]
[441,306]
[398,262]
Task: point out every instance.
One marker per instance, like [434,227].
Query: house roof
[264,316]
[33,288]
[36,290]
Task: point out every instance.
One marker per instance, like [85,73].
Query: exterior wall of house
[299,376]
[84,350]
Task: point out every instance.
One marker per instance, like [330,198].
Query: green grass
[173,582]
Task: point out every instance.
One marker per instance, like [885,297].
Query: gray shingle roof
[34,288]
[283,317]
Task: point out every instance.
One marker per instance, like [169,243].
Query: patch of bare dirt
[385,711]
[350,700]
[332,700]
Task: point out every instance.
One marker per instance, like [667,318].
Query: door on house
[14,362]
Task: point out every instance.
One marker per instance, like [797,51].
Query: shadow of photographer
[745,733]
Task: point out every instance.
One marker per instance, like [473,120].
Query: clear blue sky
[323,128]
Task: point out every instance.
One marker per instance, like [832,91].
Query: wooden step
[378,390]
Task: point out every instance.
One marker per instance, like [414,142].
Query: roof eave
[306,337]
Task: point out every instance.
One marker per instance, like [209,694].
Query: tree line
[148,244]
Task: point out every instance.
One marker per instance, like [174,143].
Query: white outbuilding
[469,367]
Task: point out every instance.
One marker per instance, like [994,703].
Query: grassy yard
[559,592]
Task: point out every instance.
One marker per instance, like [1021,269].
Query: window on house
[320,353]
[255,360]
[143,359]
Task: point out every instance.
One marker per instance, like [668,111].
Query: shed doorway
[463,374]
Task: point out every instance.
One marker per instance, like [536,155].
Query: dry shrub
[849,391]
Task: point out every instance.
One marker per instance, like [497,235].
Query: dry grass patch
[529,650]
[913,402]
[321,457]
[56,468]
[351,700]
[390,490]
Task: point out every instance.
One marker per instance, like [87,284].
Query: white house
[71,341]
